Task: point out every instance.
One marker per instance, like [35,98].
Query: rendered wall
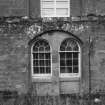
[14,61]
[13,8]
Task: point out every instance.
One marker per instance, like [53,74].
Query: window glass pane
[69,45]
[35,62]
[36,70]
[37,44]
[47,62]
[75,69]
[68,55]
[69,69]
[62,55]
[62,0]
[75,55]
[42,70]
[41,48]
[47,12]
[41,63]
[48,70]
[66,69]
[62,69]
[62,48]
[47,4]
[75,48]
[35,49]
[68,48]
[35,56]
[62,62]
[75,62]
[47,0]
[47,48]
[62,11]
[47,55]
[61,4]
[69,62]
[41,55]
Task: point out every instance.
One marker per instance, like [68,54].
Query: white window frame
[55,15]
[72,75]
[40,75]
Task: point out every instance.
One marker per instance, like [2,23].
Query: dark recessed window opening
[41,58]
[69,57]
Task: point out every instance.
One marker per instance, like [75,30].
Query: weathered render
[86,21]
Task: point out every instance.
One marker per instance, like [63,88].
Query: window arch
[69,58]
[41,58]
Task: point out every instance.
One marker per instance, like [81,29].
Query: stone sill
[50,80]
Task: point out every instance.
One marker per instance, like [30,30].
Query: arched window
[69,58]
[41,58]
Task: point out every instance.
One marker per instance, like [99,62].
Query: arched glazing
[41,57]
[69,57]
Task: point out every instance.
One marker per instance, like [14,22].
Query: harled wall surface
[14,54]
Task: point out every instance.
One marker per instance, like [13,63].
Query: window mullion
[46,7]
[44,61]
[65,63]
[72,63]
[69,7]
[78,62]
[38,61]
[55,8]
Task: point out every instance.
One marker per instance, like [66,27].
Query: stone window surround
[62,75]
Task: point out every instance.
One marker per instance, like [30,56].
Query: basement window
[69,58]
[55,8]
[41,59]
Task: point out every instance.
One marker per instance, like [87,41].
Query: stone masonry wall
[14,57]
[13,8]
[23,7]
[13,61]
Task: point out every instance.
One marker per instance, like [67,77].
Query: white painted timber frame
[62,5]
[72,75]
[44,75]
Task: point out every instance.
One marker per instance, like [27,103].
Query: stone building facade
[21,25]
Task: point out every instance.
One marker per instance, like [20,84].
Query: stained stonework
[13,8]
[14,53]
[13,61]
